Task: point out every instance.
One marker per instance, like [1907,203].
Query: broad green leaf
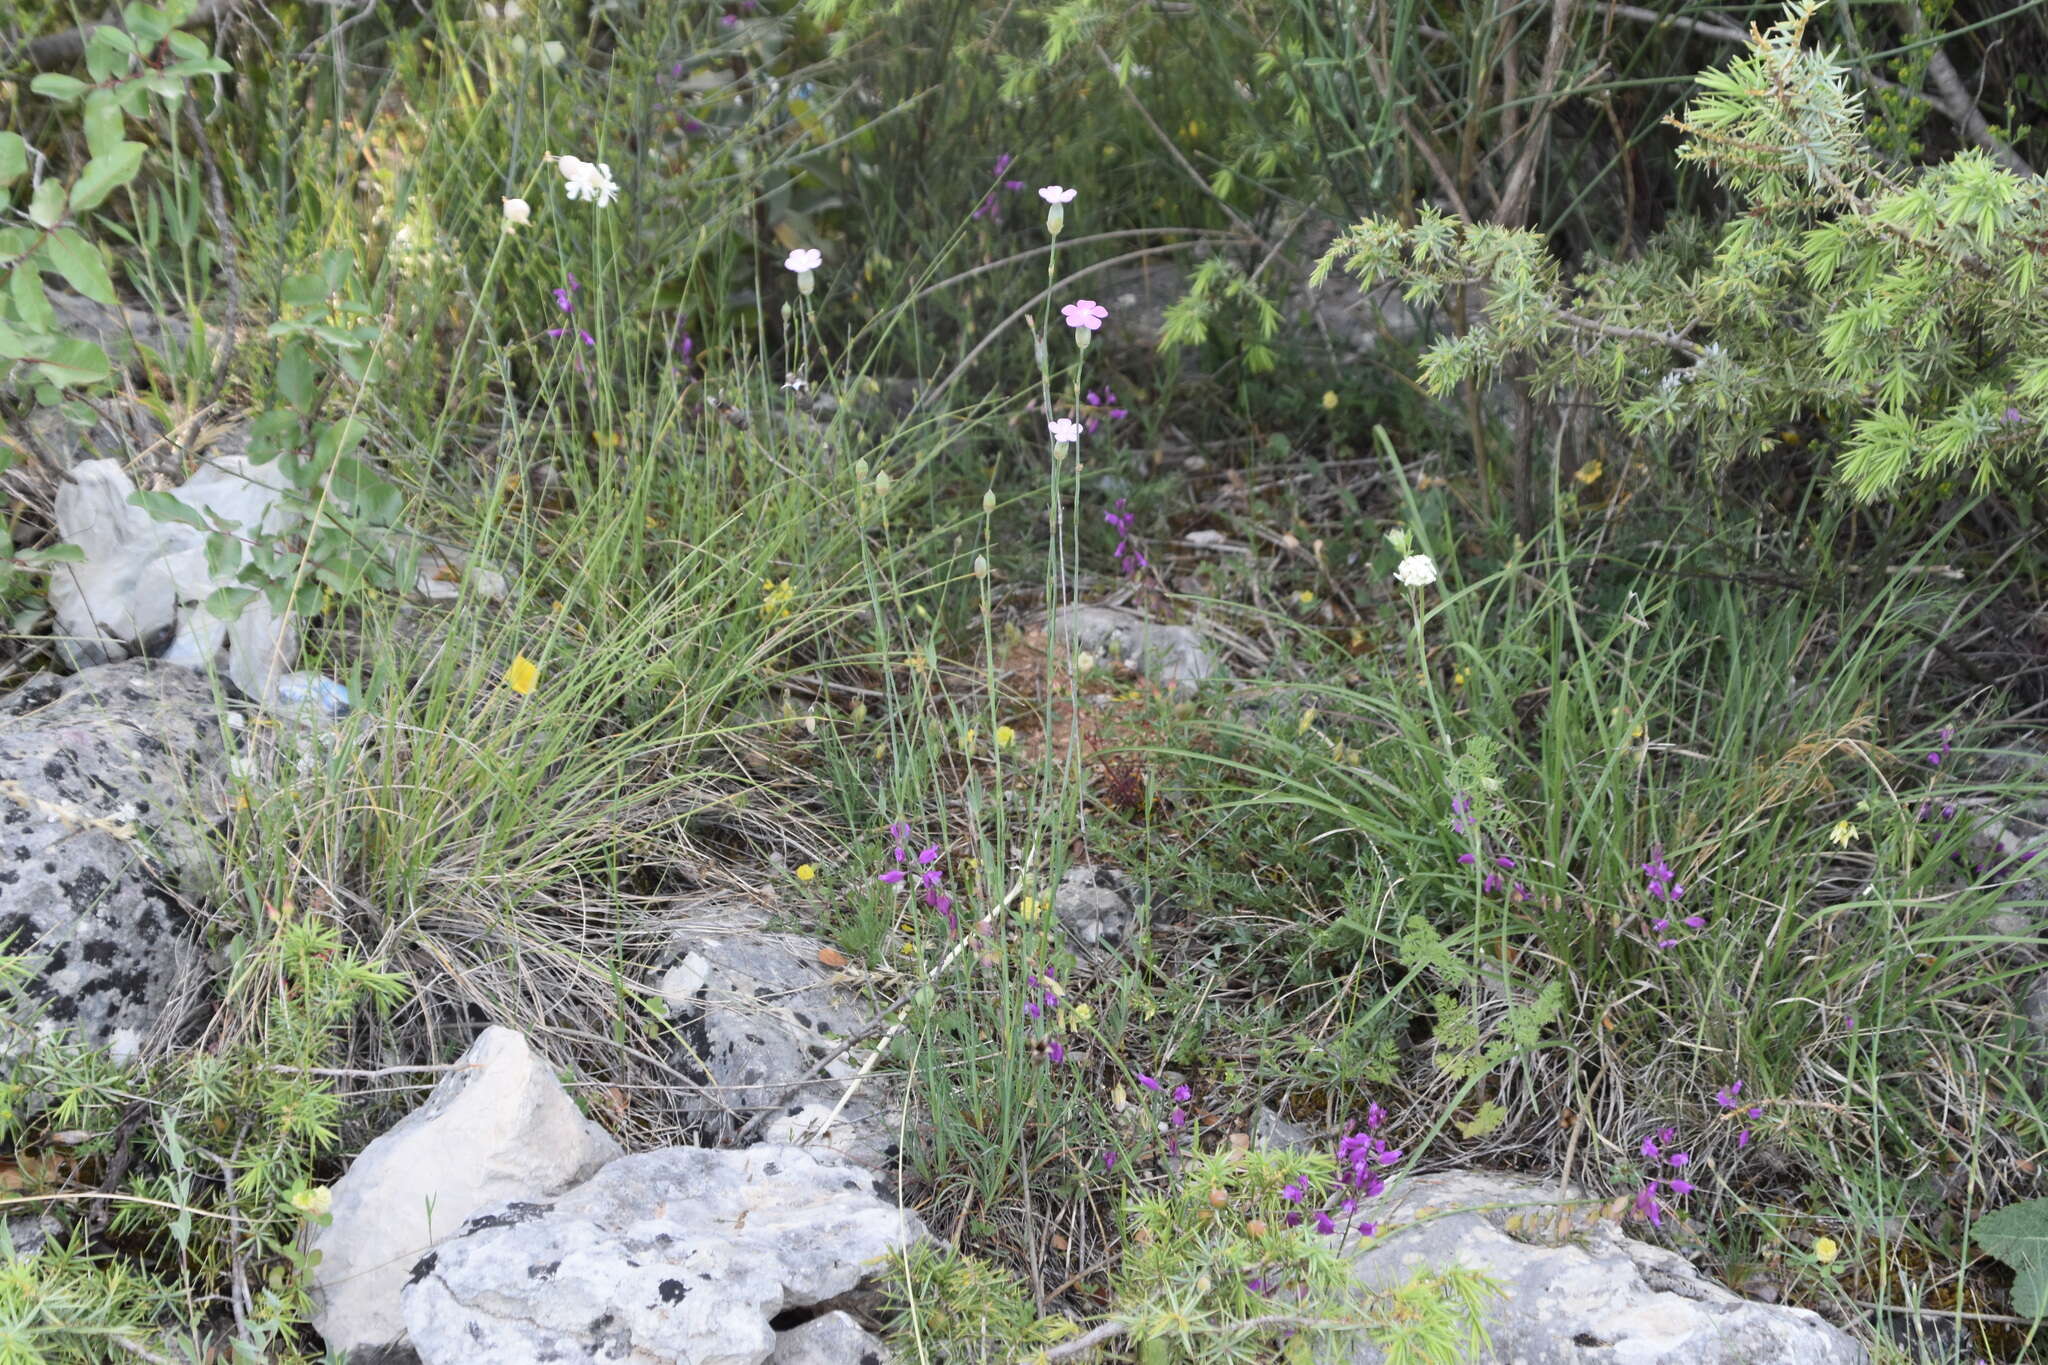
[55,554]
[304,291]
[73,361]
[13,158]
[13,345]
[117,39]
[101,59]
[79,262]
[149,24]
[223,554]
[55,85]
[31,305]
[337,439]
[104,174]
[227,603]
[2018,1235]
[103,122]
[164,507]
[296,379]
[196,67]
[46,207]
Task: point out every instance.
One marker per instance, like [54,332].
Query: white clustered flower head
[1416,571]
[586,180]
[518,213]
[1065,431]
[805,258]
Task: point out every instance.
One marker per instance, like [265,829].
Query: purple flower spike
[1055,1052]
[1149,1082]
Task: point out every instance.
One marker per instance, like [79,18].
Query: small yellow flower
[1308,718]
[806,873]
[967,739]
[313,1202]
[1843,834]
[1457,677]
[1082,1013]
[1589,473]
[1084,662]
[776,597]
[1329,400]
[522,675]
[1005,736]
[1825,1250]
[1305,597]
[1029,907]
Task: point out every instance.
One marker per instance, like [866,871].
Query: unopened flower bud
[882,483]
[981,566]
[988,501]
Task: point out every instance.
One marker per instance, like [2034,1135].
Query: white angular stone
[499,1128]
[675,1257]
[1591,1294]
[142,584]
[829,1339]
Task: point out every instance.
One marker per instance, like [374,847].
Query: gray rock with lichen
[683,1254]
[1171,656]
[1575,1289]
[760,1021]
[1097,906]
[107,780]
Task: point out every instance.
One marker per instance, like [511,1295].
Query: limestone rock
[142,584]
[1276,1132]
[1171,656]
[2034,1007]
[829,1339]
[1098,906]
[118,329]
[114,428]
[499,1130]
[107,782]
[1599,1296]
[674,1257]
[755,1013]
